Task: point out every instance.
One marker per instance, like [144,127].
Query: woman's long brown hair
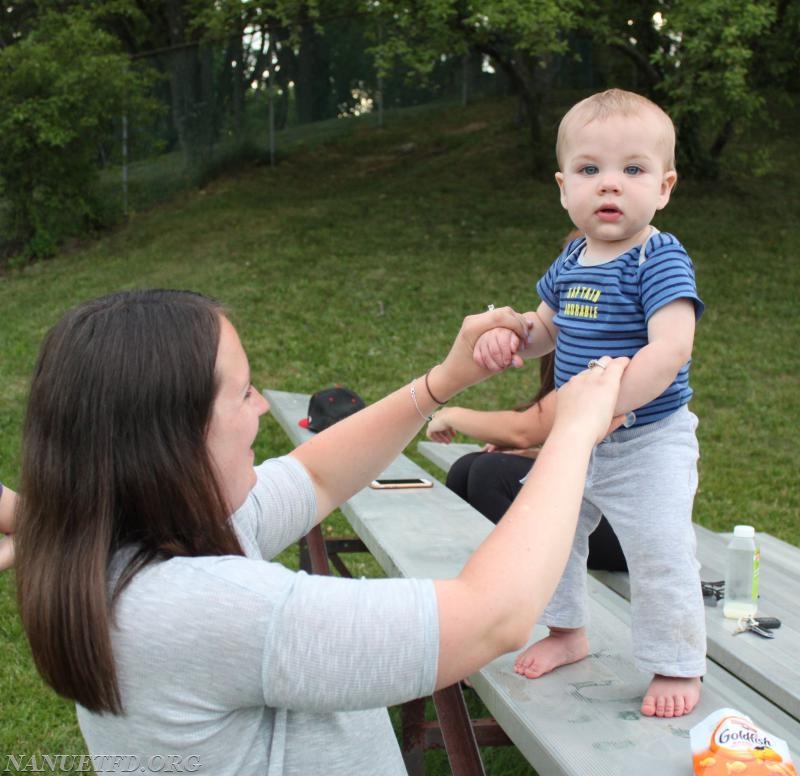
[114,455]
[547,381]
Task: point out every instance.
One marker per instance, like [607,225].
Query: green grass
[354,261]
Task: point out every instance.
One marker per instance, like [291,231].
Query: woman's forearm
[503,428]
[368,441]
[345,457]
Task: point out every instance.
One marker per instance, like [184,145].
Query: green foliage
[707,61]
[778,55]
[61,87]
[420,33]
[715,65]
[708,77]
[221,17]
[521,38]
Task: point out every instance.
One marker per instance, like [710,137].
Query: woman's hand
[439,430]
[459,370]
[587,401]
[8,501]
[338,460]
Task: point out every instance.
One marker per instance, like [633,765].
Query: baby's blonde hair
[616,102]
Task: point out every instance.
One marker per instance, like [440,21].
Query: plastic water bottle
[741,574]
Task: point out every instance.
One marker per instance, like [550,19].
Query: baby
[625,289]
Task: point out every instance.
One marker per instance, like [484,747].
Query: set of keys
[763,626]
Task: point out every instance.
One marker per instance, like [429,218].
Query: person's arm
[502,428]
[8,502]
[347,456]
[484,613]
[670,333]
[499,349]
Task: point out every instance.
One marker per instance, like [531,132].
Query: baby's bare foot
[671,696]
[560,647]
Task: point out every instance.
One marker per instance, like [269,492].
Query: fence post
[125,164]
[271,108]
[380,80]
[465,80]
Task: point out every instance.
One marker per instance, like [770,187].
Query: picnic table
[583,718]
[772,667]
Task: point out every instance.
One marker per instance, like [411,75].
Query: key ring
[762,627]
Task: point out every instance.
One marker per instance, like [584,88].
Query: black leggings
[491,481]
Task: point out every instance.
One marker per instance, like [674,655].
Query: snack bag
[727,743]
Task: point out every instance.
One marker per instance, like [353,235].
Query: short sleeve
[344,644]
[281,508]
[547,287]
[667,275]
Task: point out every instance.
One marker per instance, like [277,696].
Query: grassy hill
[354,261]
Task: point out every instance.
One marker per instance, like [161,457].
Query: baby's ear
[667,185]
[560,182]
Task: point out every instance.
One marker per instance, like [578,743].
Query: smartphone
[396,484]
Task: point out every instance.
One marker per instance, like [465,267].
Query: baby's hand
[496,350]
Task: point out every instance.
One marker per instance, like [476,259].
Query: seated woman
[490,479]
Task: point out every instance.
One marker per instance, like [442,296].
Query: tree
[310,45]
[61,87]
[700,59]
[521,37]
[777,56]
[697,59]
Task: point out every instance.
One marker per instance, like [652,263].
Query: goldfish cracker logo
[729,744]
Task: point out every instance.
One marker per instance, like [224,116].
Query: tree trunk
[238,86]
[531,79]
[313,75]
[190,67]
[693,158]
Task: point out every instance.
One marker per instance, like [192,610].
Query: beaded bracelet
[428,388]
[425,417]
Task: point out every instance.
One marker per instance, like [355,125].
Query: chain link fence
[256,96]
[259,95]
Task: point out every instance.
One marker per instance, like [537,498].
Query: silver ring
[594,362]
[490,307]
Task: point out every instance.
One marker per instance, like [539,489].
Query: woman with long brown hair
[145,534]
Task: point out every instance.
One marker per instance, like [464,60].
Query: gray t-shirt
[240,666]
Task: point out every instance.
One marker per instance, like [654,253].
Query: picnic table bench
[772,668]
[581,719]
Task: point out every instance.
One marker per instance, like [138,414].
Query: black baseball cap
[329,406]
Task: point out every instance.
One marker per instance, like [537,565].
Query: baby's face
[613,178]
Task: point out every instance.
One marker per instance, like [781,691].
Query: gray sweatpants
[644,480]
